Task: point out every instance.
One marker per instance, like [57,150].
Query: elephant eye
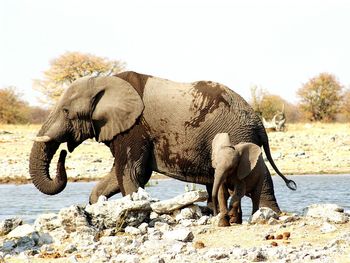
[65,111]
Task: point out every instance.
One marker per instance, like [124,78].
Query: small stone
[187,222]
[203,220]
[288,219]
[162,227]
[327,228]
[143,228]
[177,248]
[263,215]
[8,225]
[153,215]
[102,199]
[258,257]
[216,254]
[70,249]
[181,234]
[8,245]
[132,230]
[21,231]
[140,195]
[272,222]
[198,245]
[73,259]
[156,259]
[127,258]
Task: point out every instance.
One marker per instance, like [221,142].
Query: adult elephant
[150,124]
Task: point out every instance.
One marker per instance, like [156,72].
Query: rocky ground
[302,149]
[137,228]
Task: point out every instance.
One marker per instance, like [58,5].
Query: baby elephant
[239,170]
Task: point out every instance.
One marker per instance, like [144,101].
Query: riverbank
[302,149]
[138,228]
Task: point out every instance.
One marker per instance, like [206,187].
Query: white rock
[153,215]
[187,222]
[140,195]
[73,218]
[288,218]
[181,234]
[21,231]
[47,222]
[177,248]
[167,206]
[327,228]
[125,258]
[132,230]
[143,228]
[263,215]
[216,254]
[119,213]
[203,220]
[156,259]
[272,221]
[161,226]
[8,225]
[102,199]
[331,212]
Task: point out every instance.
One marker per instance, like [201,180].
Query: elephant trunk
[39,164]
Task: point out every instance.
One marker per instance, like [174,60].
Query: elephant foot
[235,217]
[235,220]
[224,221]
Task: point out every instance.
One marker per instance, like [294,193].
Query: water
[27,202]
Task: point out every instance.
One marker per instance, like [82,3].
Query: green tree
[71,66]
[321,98]
[12,108]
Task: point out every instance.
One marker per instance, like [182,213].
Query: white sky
[277,45]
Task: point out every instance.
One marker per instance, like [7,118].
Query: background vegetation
[322,98]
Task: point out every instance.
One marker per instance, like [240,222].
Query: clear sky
[277,45]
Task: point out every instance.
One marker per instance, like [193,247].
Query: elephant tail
[265,142]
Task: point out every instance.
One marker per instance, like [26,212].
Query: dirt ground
[303,149]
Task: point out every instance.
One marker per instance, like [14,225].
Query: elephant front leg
[235,213]
[133,167]
[222,199]
[107,187]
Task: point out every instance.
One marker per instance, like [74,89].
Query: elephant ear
[117,107]
[249,156]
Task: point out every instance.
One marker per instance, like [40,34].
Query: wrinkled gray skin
[239,170]
[150,124]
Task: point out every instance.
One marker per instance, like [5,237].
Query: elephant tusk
[42,139]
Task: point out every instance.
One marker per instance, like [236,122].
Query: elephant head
[99,107]
[233,163]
